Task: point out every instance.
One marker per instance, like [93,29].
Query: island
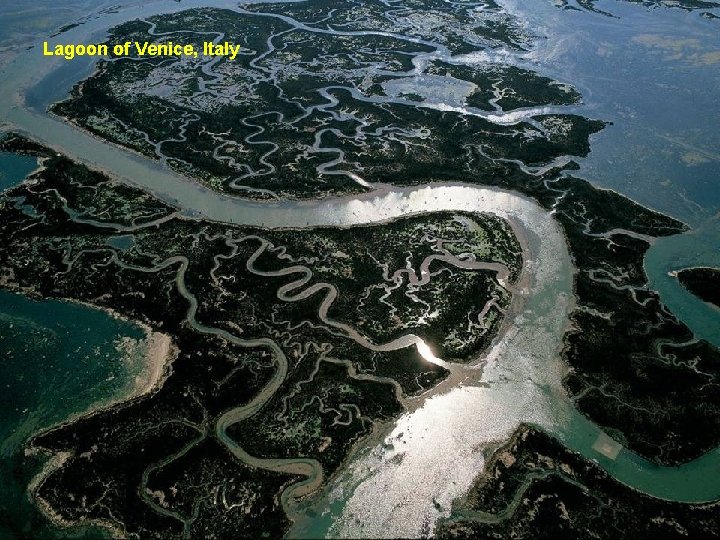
[354,223]
[702,282]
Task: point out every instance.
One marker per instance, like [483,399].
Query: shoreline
[55,462]
[373,188]
[160,352]
[158,357]
[466,373]
[377,193]
[461,375]
[674,273]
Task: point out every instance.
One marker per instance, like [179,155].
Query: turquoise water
[56,360]
[652,73]
[14,168]
[660,151]
[699,247]
[694,481]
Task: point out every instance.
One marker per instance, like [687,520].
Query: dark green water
[14,168]
[56,360]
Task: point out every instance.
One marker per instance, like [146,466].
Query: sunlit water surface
[649,72]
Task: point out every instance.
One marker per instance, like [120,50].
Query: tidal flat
[295,346]
[340,370]
[298,344]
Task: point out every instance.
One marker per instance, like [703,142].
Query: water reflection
[403,484]
[627,75]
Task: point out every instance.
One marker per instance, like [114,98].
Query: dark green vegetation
[702,282]
[326,126]
[534,487]
[310,106]
[153,467]
[632,361]
[461,27]
[508,87]
[305,109]
[303,112]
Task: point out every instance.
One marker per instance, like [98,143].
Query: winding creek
[429,457]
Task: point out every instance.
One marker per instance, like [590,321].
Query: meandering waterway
[428,457]
[58,360]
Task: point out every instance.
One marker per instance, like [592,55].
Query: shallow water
[661,151]
[57,360]
[699,247]
[653,73]
[400,486]
[14,168]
